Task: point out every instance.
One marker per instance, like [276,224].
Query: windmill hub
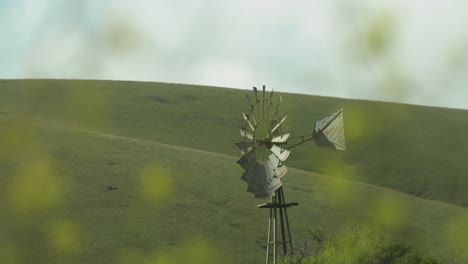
[261,141]
[265,142]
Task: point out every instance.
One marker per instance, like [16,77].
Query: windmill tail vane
[328,133]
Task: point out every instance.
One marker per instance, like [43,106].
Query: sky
[408,51]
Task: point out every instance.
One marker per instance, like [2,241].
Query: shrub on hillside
[358,247]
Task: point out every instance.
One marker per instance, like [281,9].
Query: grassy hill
[168,150]
[413,149]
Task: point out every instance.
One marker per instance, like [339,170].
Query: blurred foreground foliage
[360,246]
[194,251]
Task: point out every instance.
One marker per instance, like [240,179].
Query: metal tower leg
[281,201]
[277,203]
[287,222]
[275,232]
[269,237]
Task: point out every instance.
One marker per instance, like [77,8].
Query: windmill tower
[265,147]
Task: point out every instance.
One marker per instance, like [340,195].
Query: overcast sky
[410,51]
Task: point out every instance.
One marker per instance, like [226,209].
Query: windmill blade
[246,118]
[280,171]
[244,146]
[263,103]
[274,161]
[245,160]
[271,165]
[275,107]
[257,101]
[275,183]
[280,153]
[274,114]
[259,182]
[248,173]
[245,134]
[256,95]
[281,139]
[261,179]
[268,106]
[279,123]
[329,131]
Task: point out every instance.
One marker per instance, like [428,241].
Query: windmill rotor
[264,146]
[262,153]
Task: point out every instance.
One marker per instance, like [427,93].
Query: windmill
[265,147]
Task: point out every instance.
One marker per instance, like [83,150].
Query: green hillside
[168,149]
[413,149]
